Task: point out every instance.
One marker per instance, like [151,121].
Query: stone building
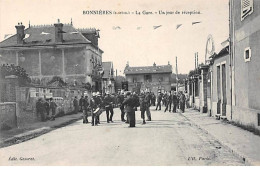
[108,79]
[55,50]
[149,78]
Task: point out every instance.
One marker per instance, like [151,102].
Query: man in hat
[53,107]
[168,102]
[159,100]
[175,102]
[148,104]
[120,99]
[40,109]
[98,103]
[76,105]
[129,104]
[81,103]
[142,107]
[85,104]
[108,102]
[182,102]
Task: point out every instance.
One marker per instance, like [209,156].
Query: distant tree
[181,78]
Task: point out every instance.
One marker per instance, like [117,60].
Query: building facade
[55,50]
[150,78]
[245,52]
[108,80]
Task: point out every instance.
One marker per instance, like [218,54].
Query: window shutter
[246,8]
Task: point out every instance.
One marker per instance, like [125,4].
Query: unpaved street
[169,139]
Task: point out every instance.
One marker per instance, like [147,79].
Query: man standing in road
[159,100]
[142,107]
[175,102]
[129,104]
[148,104]
[109,107]
[168,102]
[182,102]
[120,99]
[81,104]
[99,104]
[85,104]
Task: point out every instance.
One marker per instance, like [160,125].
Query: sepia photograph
[129,83]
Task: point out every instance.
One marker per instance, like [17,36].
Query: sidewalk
[241,142]
[17,135]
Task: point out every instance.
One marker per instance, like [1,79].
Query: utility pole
[177,87]
[197,60]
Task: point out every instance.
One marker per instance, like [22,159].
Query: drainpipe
[230,54]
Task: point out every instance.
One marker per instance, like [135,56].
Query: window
[160,79]
[247,54]
[246,8]
[134,79]
[147,78]
[258,119]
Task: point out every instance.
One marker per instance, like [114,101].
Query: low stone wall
[8,118]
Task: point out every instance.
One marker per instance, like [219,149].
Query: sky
[136,42]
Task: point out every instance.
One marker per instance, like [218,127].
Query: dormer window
[246,8]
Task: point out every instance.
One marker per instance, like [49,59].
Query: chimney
[58,31]
[20,33]
[154,65]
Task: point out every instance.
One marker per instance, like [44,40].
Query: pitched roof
[108,67]
[148,69]
[45,35]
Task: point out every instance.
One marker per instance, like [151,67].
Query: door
[218,90]
[224,89]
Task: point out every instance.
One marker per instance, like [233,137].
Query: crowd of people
[127,102]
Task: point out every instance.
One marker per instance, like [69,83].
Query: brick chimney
[20,33]
[58,31]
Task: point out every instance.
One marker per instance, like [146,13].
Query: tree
[8,70]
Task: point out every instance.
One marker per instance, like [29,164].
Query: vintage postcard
[129,83]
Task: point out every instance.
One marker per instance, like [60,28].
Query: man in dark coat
[148,104]
[99,104]
[40,109]
[129,104]
[85,104]
[76,105]
[142,107]
[182,102]
[153,99]
[53,107]
[47,108]
[174,102]
[93,109]
[108,102]
[168,102]
[81,104]
[159,100]
[120,99]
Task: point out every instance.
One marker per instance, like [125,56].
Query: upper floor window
[160,79]
[246,8]
[247,54]
[134,79]
[148,78]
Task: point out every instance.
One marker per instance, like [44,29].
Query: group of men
[169,99]
[44,107]
[126,101]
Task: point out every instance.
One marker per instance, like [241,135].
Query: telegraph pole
[177,87]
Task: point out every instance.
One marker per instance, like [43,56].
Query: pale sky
[141,47]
